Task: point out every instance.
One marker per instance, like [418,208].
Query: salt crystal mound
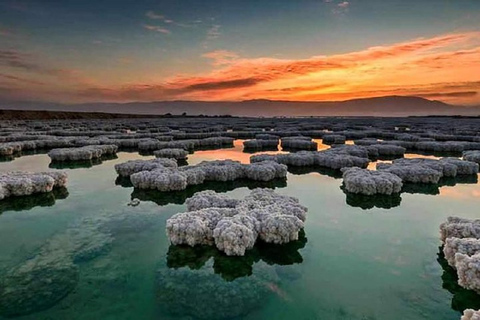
[235,225]
[459,228]
[468,246]
[260,144]
[83,153]
[473,156]
[428,170]
[470,314]
[298,143]
[334,139]
[172,153]
[334,158]
[208,199]
[19,183]
[128,168]
[369,182]
[189,144]
[435,146]
[266,136]
[468,271]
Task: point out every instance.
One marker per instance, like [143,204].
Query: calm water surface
[351,262]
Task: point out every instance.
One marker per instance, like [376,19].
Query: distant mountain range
[381,106]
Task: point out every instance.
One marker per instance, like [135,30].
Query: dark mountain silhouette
[379,106]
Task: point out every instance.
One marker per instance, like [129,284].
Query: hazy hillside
[381,106]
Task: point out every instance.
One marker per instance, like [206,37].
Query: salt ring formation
[216,208]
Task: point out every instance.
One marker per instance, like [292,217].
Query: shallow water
[352,263]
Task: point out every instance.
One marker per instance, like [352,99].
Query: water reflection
[179,197]
[231,267]
[35,200]
[462,298]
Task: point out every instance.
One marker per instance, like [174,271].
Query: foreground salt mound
[335,158]
[172,153]
[428,170]
[18,183]
[162,175]
[470,314]
[369,182]
[334,139]
[234,225]
[83,153]
[468,246]
[473,156]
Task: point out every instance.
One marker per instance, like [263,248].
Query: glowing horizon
[183,51]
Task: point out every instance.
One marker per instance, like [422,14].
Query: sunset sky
[144,50]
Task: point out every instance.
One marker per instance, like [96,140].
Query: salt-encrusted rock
[387,150]
[178,154]
[473,156]
[234,225]
[83,153]
[470,314]
[460,228]
[18,183]
[196,227]
[334,139]
[370,182]
[234,235]
[331,158]
[468,246]
[265,171]
[258,144]
[209,199]
[415,173]
[298,143]
[133,166]
[162,179]
[222,170]
[468,271]
[435,146]
[463,167]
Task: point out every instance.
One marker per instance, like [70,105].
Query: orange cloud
[407,68]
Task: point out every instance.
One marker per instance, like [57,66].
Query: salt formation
[258,144]
[459,228]
[128,168]
[18,183]
[470,314]
[428,170]
[234,225]
[369,182]
[163,176]
[178,154]
[473,156]
[468,246]
[83,153]
[299,143]
[334,158]
[468,271]
[334,139]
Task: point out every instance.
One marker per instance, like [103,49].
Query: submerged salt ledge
[83,153]
[234,225]
[27,183]
[164,176]
[369,182]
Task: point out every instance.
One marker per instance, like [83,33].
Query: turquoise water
[351,263]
